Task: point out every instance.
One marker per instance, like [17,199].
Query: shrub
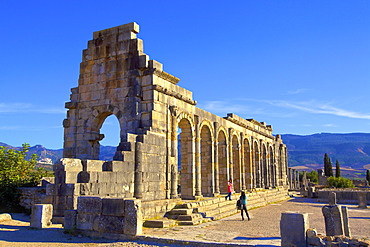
[340,182]
[16,171]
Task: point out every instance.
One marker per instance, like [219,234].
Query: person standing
[243,202]
[229,190]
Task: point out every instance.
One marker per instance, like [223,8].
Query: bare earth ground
[262,230]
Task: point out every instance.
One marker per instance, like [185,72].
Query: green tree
[328,168]
[16,171]
[368,175]
[313,176]
[340,182]
[337,169]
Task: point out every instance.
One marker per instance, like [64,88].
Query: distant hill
[351,150]
[304,152]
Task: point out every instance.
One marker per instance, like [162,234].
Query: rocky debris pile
[315,239]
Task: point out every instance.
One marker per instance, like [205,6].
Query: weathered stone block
[71,177]
[333,220]
[70,217]
[109,224]
[133,224]
[89,205]
[113,206]
[41,215]
[93,165]
[85,221]
[293,227]
[68,164]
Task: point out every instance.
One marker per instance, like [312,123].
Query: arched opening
[222,162]
[265,171]
[112,137]
[280,164]
[236,164]
[247,164]
[206,161]
[185,160]
[256,165]
[272,168]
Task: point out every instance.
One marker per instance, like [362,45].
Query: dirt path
[262,230]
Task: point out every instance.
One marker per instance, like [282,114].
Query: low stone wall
[345,196]
[113,218]
[31,196]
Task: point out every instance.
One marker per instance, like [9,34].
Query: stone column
[304,180]
[242,159]
[293,227]
[138,178]
[217,171]
[198,183]
[297,180]
[346,229]
[290,177]
[230,156]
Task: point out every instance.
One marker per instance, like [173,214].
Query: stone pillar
[293,227]
[290,177]
[304,180]
[347,232]
[230,156]
[362,202]
[242,163]
[217,171]
[297,180]
[198,183]
[173,182]
[138,178]
[333,218]
[41,215]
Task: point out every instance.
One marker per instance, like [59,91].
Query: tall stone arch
[222,160]
[186,158]
[206,160]
[248,167]
[257,164]
[237,178]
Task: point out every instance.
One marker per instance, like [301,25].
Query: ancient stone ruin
[169,148]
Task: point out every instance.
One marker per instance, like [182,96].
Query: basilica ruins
[170,150]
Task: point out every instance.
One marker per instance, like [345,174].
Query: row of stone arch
[210,155]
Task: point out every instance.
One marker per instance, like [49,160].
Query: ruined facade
[168,146]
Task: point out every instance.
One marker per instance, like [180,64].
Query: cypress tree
[368,175]
[326,157]
[337,169]
[330,169]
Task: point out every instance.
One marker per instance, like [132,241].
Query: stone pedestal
[362,203]
[41,215]
[293,227]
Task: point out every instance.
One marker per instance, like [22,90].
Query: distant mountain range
[351,150]
[304,152]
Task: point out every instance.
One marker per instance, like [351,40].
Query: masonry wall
[118,78]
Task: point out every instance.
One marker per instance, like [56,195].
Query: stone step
[214,206]
[160,223]
[192,217]
[220,210]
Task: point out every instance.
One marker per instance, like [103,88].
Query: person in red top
[229,190]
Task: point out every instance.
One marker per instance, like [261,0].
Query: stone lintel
[130,27]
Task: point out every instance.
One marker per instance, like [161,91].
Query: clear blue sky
[301,66]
